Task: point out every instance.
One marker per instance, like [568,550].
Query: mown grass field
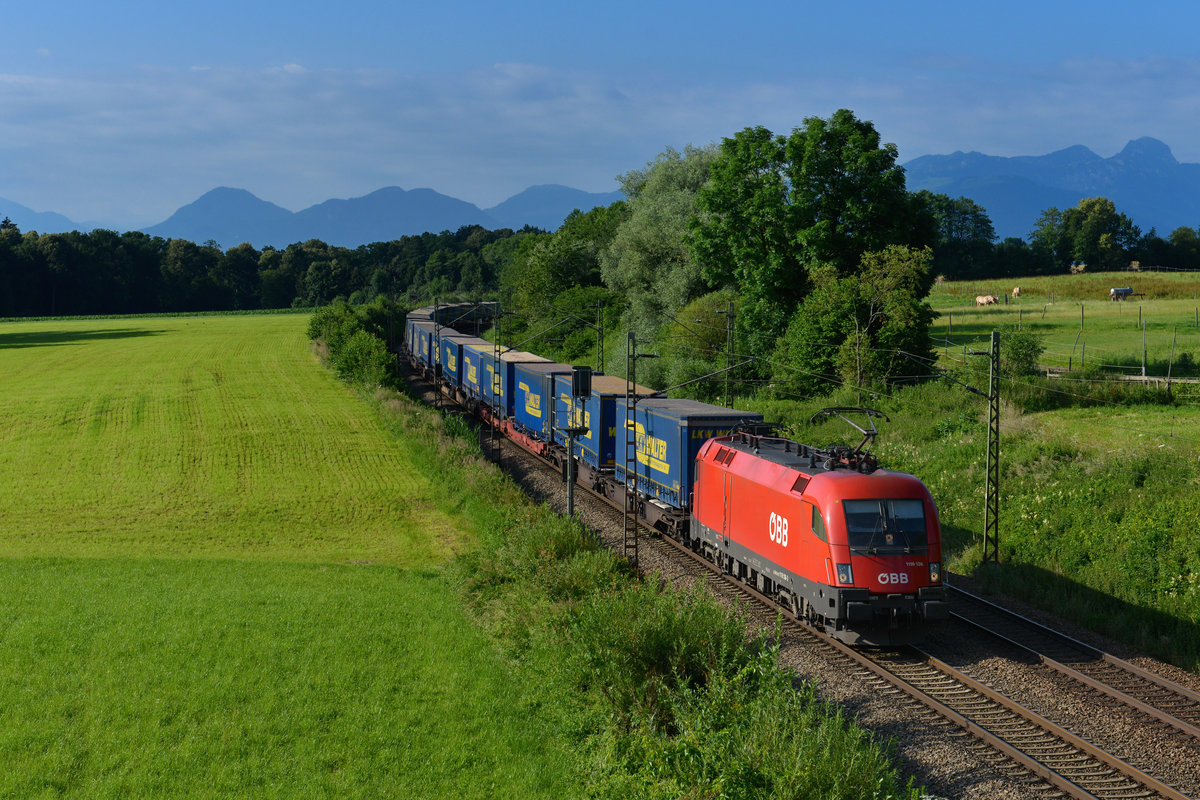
[1079,325]
[203,436]
[220,575]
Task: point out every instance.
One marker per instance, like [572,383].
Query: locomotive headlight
[935,572]
[844,574]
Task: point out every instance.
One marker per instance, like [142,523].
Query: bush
[1019,353]
[362,361]
[355,340]
[333,324]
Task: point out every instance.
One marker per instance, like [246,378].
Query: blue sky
[123,111]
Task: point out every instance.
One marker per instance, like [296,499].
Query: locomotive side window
[883,525]
[818,525]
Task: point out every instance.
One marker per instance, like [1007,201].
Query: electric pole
[991,508]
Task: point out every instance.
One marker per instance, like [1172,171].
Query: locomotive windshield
[877,526]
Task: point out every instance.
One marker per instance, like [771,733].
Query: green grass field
[1080,326]
[220,575]
[204,436]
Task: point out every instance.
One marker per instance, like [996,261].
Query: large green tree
[1092,232]
[860,329]
[963,247]
[648,260]
[778,209]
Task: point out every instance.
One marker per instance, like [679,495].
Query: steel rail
[1176,698]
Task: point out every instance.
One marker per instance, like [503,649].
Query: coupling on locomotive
[830,535]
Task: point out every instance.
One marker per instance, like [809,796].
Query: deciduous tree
[778,209]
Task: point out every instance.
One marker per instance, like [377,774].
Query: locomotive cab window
[885,526]
[818,525]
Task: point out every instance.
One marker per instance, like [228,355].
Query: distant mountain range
[1144,180]
[232,216]
[29,220]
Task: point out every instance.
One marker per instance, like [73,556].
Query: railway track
[1152,695]
[1072,766]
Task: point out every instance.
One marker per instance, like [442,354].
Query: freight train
[826,532]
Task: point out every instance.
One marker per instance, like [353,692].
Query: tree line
[105,272]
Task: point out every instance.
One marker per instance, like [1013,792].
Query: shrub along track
[931,738]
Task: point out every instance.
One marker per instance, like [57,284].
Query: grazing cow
[1016,291]
[986,300]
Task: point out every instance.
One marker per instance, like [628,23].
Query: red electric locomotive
[850,546]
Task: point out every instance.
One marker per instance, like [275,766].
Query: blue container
[508,383]
[669,434]
[534,398]
[452,359]
[481,381]
[478,356]
[421,342]
[598,446]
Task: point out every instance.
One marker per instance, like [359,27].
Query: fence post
[1171,361]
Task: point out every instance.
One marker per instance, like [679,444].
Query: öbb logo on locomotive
[779,529]
[893,578]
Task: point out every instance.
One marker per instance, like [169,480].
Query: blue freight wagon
[598,446]
[507,383]
[423,333]
[452,357]
[533,396]
[669,434]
